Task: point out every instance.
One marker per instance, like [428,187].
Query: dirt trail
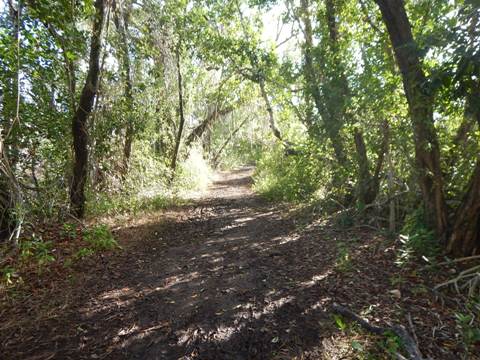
[221,289]
[229,277]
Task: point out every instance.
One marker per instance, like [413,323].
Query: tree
[218,107]
[10,194]
[79,122]
[121,17]
[420,101]
[368,184]
[328,88]
[464,235]
[181,115]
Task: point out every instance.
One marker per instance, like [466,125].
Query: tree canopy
[363,111]
[357,100]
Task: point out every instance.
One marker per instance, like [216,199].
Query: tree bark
[465,236]
[178,139]
[216,110]
[324,109]
[390,184]
[120,18]
[79,123]
[308,68]
[212,116]
[409,342]
[337,94]
[369,184]
[6,195]
[364,175]
[420,102]
[268,105]
[332,23]
[8,145]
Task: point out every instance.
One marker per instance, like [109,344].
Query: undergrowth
[149,188]
[416,239]
[287,178]
[468,324]
[46,246]
[368,346]
[59,247]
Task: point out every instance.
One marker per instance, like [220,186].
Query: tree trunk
[390,182]
[212,116]
[178,139]
[271,118]
[79,123]
[216,110]
[331,13]
[207,141]
[420,103]
[326,112]
[9,125]
[6,194]
[465,237]
[257,75]
[120,18]
[369,184]
[308,67]
[337,94]
[364,184]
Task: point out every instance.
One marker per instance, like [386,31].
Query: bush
[100,238]
[147,187]
[36,248]
[289,178]
[241,152]
[417,238]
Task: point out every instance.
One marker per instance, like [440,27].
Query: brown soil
[228,277]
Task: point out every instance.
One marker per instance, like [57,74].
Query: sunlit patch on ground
[315,279]
[229,277]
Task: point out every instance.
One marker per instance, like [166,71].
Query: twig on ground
[468,258]
[77,220]
[408,342]
[412,328]
[468,278]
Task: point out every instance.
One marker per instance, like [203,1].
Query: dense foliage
[362,104]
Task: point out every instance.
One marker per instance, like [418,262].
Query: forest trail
[219,280]
[362,118]
[228,277]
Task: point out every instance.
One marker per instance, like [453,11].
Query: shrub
[292,177]
[36,248]
[100,238]
[416,238]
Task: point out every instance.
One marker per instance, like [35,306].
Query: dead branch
[225,143]
[451,261]
[467,279]
[408,342]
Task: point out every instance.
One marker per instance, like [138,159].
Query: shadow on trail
[229,277]
[234,282]
[225,278]
[241,181]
